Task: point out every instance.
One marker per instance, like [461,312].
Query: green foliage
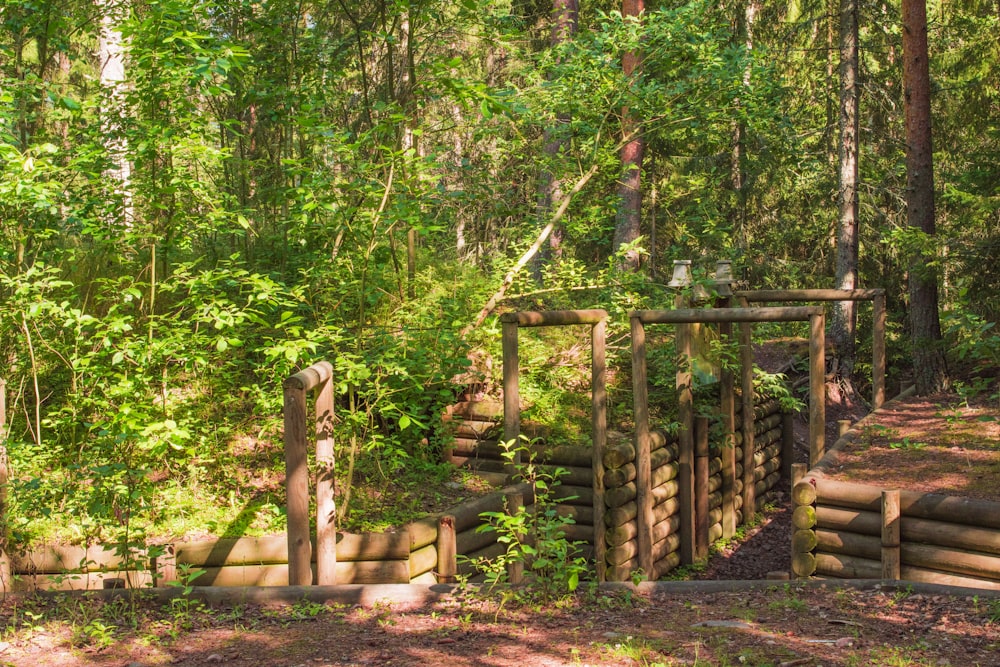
[533,538]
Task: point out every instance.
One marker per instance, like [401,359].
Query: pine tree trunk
[930,367]
[627,225]
[844,321]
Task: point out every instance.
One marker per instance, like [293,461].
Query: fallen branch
[530,252]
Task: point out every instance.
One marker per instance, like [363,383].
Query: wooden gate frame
[597,319]
[318,377]
[815,315]
[876,296]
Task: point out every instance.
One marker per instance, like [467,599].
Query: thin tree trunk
[930,366]
[627,225]
[844,321]
[112,77]
[564,24]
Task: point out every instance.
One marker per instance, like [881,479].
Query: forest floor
[940,443]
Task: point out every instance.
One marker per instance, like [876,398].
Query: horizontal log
[760,296]
[622,572]
[768,467]
[854,521]
[568,494]
[803,493]
[357,572]
[582,516]
[273,549]
[804,517]
[554,318]
[663,482]
[804,564]
[426,579]
[661,457]
[467,514]
[851,544]
[571,475]
[483,410]
[665,521]
[661,567]
[474,539]
[668,545]
[475,430]
[952,561]
[58,558]
[933,506]
[422,532]
[843,566]
[716,315]
[310,378]
[804,540]
[623,452]
[82,581]
[467,566]
[423,560]
[555,455]
[622,554]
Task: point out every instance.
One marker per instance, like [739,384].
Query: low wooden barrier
[857,531]
[426,551]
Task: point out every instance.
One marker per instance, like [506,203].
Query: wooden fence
[426,551]
[857,531]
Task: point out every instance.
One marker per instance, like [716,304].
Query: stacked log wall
[937,539]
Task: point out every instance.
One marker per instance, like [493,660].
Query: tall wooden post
[326,516]
[701,522]
[643,474]
[685,441]
[511,392]
[599,425]
[746,387]
[297,486]
[878,350]
[5,573]
[787,444]
[817,388]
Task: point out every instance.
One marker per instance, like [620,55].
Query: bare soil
[784,625]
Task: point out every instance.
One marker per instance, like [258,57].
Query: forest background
[200,197]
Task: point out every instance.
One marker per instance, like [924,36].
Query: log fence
[859,531]
[876,296]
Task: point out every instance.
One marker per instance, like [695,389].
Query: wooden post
[511,395]
[727,407]
[447,550]
[6,585]
[890,534]
[326,515]
[878,350]
[297,485]
[843,426]
[599,425]
[746,386]
[296,389]
[701,525]
[515,568]
[787,444]
[817,388]
[643,475]
[685,440]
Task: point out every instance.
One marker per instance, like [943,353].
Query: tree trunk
[112,78]
[629,188]
[564,22]
[844,321]
[930,367]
